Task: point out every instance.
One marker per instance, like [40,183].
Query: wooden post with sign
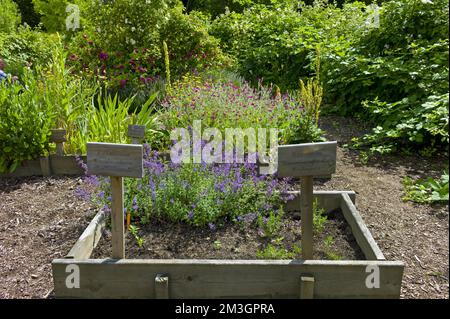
[306,161]
[116,161]
[137,133]
[59,137]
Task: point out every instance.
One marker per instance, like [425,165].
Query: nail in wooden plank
[161,286]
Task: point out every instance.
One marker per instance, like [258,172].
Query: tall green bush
[9,16]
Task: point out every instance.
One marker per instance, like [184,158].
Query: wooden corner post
[306,161]
[116,161]
[136,133]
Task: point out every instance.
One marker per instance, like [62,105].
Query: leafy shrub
[396,76]
[25,122]
[426,191]
[196,194]
[9,16]
[123,44]
[26,48]
[230,105]
[53,14]
[279,44]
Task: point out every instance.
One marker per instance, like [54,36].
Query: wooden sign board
[58,135]
[309,159]
[136,131]
[108,159]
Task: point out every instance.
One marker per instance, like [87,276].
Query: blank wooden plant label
[137,131]
[108,159]
[309,159]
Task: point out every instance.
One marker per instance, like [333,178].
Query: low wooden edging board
[186,278]
[46,166]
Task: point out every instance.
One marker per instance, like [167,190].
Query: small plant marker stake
[306,209]
[59,137]
[116,161]
[137,133]
[306,161]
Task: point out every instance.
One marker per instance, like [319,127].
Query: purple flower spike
[211,226]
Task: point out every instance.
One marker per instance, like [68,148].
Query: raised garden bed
[213,278]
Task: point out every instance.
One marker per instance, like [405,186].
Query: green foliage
[328,243]
[197,194]
[319,218]
[53,14]
[279,44]
[26,48]
[271,224]
[9,16]
[426,191]
[396,76]
[25,122]
[107,120]
[273,252]
[134,232]
[226,105]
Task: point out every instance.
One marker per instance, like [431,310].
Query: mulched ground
[40,219]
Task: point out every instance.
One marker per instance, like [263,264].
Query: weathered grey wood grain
[328,200]
[45,166]
[117,218]
[106,278]
[137,131]
[89,239]
[310,159]
[65,165]
[359,229]
[58,135]
[306,287]
[115,159]
[306,209]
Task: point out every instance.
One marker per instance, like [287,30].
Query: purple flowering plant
[204,195]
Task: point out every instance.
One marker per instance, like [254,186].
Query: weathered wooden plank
[306,287]
[328,200]
[359,229]
[125,278]
[89,239]
[117,218]
[58,135]
[115,159]
[45,166]
[65,165]
[137,131]
[310,159]
[161,286]
[26,168]
[306,210]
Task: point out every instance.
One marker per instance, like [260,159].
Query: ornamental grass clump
[200,195]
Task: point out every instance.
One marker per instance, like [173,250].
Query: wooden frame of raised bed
[186,278]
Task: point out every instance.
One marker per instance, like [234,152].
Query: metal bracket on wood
[162,286]
[306,287]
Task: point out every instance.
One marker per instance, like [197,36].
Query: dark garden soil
[40,219]
[164,240]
